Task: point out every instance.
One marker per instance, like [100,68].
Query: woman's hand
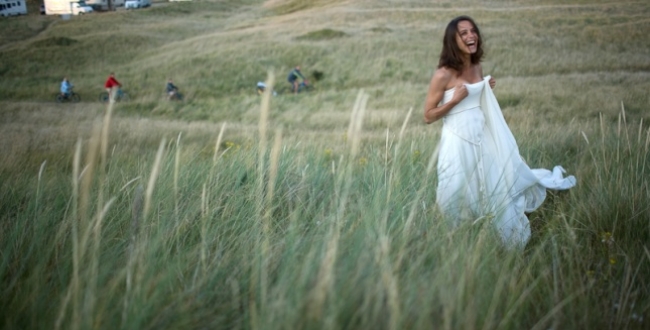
[492,82]
[460,93]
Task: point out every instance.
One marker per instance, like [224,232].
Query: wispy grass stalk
[205,207]
[627,133]
[259,278]
[396,156]
[140,212]
[136,216]
[152,179]
[273,175]
[38,189]
[73,287]
[390,281]
[84,223]
[326,275]
[177,165]
[217,145]
[90,300]
[416,202]
[87,180]
[388,268]
[93,273]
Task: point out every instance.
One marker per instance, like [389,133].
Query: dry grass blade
[136,215]
[217,145]
[73,288]
[177,165]
[152,178]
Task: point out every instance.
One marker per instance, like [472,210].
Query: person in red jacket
[111,83]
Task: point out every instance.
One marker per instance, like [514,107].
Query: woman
[480,171]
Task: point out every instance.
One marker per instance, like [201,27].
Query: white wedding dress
[481,174]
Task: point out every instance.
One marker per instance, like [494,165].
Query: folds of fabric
[481,174]
[515,188]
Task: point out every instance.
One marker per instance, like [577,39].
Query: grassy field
[231,210]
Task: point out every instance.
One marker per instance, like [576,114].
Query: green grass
[296,220]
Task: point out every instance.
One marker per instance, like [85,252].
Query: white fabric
[481,174]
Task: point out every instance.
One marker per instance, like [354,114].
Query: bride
[480,171]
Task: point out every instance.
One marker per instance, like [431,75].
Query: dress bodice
[472,100]
[466,119]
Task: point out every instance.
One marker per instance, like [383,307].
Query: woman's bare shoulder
[443,76]
[444,73]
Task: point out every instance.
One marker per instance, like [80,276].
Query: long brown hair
[451,55]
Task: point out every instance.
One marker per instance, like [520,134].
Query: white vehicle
[13,7]
[103,4]
[78,9]
[66,7]
[132,4]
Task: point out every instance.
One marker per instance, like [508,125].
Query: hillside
[555,62]
[218,50]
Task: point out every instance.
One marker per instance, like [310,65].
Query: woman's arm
[439,82]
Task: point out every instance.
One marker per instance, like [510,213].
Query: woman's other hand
[492,82]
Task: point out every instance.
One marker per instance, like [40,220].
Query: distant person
[260,87]
[66,87]
[293,78]
[171,89]
[111,84]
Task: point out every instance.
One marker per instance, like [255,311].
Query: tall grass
[296,236]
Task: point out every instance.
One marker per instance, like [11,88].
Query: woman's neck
[467,61]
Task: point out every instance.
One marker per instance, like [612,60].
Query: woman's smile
[467,38]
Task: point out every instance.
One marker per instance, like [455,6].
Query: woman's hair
[451,55]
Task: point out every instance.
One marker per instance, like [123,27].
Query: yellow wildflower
[607,238]
[363,161]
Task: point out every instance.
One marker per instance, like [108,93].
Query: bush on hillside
[324,34]
[55,41]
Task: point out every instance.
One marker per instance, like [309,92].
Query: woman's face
[467,38]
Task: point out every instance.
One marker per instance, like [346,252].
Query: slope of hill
[150,214]
[218,50]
